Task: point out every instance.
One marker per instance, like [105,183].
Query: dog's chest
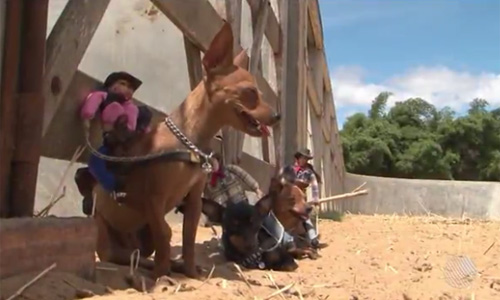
[182,179]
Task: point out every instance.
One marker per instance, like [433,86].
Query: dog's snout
[309,209]
[276,117]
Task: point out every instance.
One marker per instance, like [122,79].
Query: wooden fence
[286,55]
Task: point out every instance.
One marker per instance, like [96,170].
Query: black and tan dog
[254,235]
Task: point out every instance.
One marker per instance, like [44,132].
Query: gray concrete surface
[419,197]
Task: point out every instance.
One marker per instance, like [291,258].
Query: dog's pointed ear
[241,60]
[220,51]
[264,205]
[213,210]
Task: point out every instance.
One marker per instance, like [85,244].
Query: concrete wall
[150,47]
[417,197]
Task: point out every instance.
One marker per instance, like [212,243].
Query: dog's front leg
[161,234]
[192,213]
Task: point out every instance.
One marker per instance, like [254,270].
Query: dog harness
[272,233]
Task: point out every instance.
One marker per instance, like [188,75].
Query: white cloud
[439,85]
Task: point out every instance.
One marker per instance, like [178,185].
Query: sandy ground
[370,257]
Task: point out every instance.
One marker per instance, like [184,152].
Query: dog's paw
[178,266]
[313,255]
[289,267]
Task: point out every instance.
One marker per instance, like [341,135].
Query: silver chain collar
[206,165]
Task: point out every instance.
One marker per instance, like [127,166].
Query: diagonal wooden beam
[200,22]
[272,28]
[193,59]
[66,46]
[315,22]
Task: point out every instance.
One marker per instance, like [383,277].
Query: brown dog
[227,96]
[291,209]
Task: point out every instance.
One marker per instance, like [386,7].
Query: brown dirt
[370,257]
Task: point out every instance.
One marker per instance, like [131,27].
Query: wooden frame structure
[300,88]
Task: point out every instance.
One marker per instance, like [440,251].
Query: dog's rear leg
[110,249]
[192,213]
[161,234]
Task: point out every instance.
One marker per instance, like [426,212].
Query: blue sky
[445,51]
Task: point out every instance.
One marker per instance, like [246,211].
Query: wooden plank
[33,244]
[232,143]
[200,22]
[315,78]
[193,59]
[317,140]
[12,42]
[272,27]
[315,22]
[326,74]
[327,165]
[259,21]
[293,60]
[325,129]
[328,114]
[66,46]
[30,104]
[303,64]
[315,87]
[278,65]
[313,95]
[258,34]
[233,16]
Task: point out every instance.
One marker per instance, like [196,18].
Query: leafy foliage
[415,140]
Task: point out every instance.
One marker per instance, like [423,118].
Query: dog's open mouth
[253,125]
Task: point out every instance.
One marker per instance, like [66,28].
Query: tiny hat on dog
[303,153]
[115,76]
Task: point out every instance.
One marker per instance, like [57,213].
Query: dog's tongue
[265,131]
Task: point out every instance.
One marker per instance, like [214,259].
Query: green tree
[415,140]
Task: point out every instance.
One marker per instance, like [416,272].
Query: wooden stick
[359,187]
[135,254]
[106,268]
[275,285]
[299,292]
[243,276]
[342,196]
[489,248]
[280,291]
[31,282]
[208,277]
[45,211]
[56,197]
[318,211]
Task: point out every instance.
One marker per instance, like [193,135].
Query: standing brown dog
[227,96]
